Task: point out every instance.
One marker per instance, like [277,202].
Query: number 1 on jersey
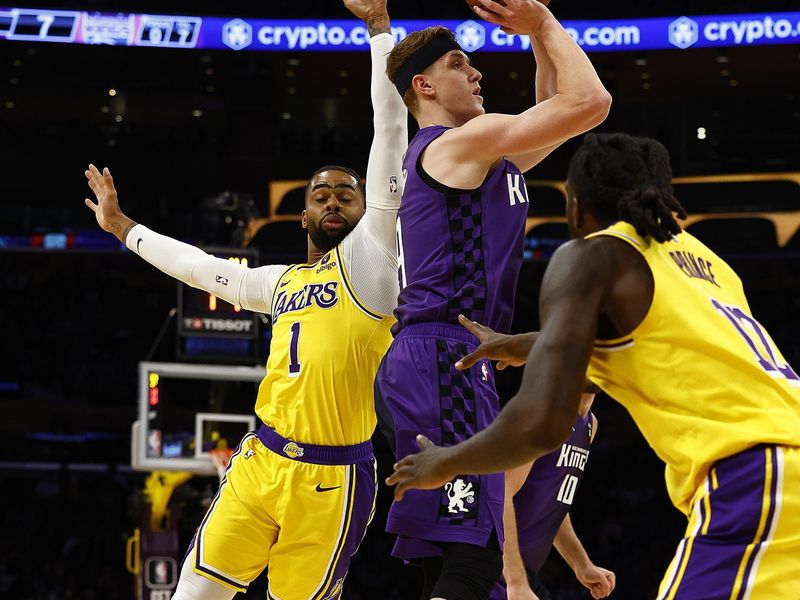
[294,342]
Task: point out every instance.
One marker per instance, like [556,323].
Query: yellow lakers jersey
[325,350]
[700,376]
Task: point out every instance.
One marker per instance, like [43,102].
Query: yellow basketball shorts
[278,507]
[743,539]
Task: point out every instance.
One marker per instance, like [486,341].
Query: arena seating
[732,213]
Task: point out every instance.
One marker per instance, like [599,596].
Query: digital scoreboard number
[66,26]
[40,25]
[168,32]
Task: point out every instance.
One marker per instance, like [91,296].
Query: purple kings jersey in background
[547,494]
[459,251]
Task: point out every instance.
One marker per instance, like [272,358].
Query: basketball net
[221,457]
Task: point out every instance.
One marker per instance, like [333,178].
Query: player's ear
[422,86]
[304,219]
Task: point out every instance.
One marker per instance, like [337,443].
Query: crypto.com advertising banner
[240,33]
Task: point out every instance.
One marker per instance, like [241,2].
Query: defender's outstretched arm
[250,288]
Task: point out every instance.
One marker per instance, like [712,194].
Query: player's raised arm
[390,118]
[370,251]
[580,101]
[229,280]
[546,87]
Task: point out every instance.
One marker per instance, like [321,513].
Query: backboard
[185,410]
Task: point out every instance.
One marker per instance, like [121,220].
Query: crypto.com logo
[237,34]
[471,36]
[683,32]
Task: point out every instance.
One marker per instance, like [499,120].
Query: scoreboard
[39,25]
[209,328]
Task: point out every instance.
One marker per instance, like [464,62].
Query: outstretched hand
[493,345]
[106,210]
[372,12]
[600,582]
[422,471]
[515,17]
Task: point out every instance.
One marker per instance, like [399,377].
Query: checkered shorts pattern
[465,217]
[458,503]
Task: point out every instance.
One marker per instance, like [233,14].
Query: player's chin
[328,239]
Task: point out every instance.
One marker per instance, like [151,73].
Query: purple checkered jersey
[459,251]
[547,494]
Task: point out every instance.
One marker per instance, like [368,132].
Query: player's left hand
[364,9]
[520,17]
[422,471]
[506,349]
[600,582]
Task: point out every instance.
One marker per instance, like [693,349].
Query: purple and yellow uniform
[460,252]
[720,406]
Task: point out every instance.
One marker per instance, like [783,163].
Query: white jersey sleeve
[252,289]
[370,251]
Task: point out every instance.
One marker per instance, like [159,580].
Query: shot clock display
[211,328]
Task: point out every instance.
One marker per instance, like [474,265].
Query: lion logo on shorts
[457,493]
[292,450]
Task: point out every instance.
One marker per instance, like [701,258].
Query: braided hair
[621,177]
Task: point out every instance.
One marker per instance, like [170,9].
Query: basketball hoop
[221,457]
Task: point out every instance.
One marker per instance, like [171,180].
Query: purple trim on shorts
[767,526]
[214,575]
[438,330]
[736,509]
[328,580]
[312,453]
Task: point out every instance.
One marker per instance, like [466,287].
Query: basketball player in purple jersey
[662,324]
[542,494]
[460,232]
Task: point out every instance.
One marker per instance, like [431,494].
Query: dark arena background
[211,128]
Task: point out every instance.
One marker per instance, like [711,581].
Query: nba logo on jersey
[393,184]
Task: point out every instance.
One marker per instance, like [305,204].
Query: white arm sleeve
[249,288]
[370,251]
